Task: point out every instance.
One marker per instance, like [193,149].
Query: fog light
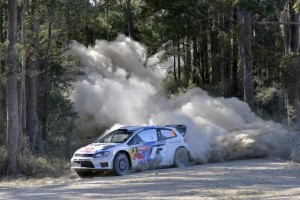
[104,164]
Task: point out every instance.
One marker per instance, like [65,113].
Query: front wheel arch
[128,156]
[121,164]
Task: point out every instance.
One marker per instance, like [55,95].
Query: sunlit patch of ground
[246,179]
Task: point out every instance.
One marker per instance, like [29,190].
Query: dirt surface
[246,179]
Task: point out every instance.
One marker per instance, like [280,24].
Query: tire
[121,165]
[181,157]
[84,174]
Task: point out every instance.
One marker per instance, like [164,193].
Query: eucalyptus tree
[292,69]
[2,93]
[12,91]
[246,56]
[23,40]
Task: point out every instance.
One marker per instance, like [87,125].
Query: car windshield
[116,136]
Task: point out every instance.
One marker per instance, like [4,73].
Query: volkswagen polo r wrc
[133,148]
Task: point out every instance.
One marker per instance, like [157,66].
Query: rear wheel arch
[178,160]
[185,148]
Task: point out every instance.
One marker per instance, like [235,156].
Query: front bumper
[91,164]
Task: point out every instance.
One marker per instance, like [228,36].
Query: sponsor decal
[139,157]
[87,149]
[147,154]
[143,148]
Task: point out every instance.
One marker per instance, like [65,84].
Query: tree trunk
[287,47]
[1,69]
[107,26]
[227,55]
[295,34]
[204,66]
[128,18]
[247,58]
[178,63]
[46,81]
[174,64]
[297,97]
[12,92]
[188,62]
[291,42]
[1,21]
[46,85]
[22,104]
[32,123]
[287,30]
[215,64]
[196,63]
[234,69]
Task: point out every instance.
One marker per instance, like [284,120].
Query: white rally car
[133,148]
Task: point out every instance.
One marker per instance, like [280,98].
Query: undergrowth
[36,166]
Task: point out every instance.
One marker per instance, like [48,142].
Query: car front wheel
[121,164]
[181,157]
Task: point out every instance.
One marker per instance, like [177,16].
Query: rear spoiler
[180,128]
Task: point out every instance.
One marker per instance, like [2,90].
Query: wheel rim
[122,165]
[182,157]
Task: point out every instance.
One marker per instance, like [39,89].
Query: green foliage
[36,166]
[296,5]
[161,25]
[63,70]
[290,69]
[169,85]
[265,95]
[61,126]
[3,119]
[3,158]
[260,6]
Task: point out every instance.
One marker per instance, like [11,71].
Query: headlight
[101,154]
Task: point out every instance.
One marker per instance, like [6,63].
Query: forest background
[243,49]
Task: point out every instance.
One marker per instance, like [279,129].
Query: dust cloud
[118,89]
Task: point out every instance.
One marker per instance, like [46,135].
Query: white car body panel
[145,155]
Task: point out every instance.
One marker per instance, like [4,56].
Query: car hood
[94,147]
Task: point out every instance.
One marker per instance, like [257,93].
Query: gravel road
[245,179]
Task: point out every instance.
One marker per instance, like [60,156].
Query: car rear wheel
[121,164]
[181,157]
[84,173]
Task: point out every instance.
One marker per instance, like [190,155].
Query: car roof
[131,128]
[135,128]
[179,128]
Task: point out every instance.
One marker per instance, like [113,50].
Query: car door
[169,143]
[142,149]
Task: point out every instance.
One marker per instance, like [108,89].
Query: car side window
[166,134]
[149,135]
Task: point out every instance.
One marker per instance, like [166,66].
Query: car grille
[83,155]
[88,164]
